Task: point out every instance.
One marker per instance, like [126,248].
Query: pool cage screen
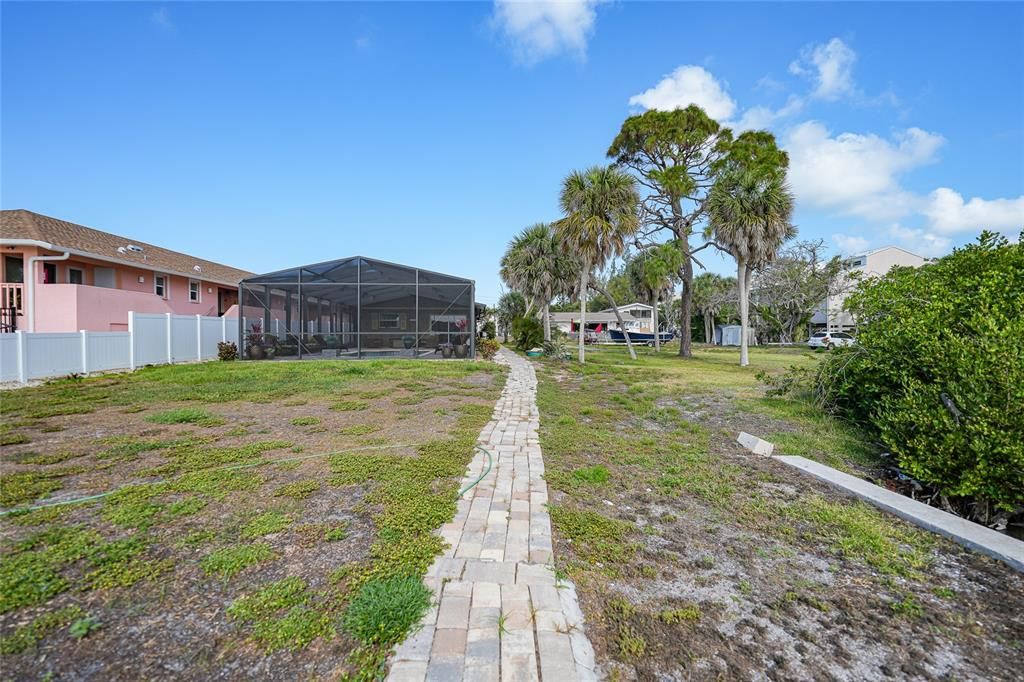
[356,308]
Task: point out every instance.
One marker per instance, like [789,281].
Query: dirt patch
[741,568]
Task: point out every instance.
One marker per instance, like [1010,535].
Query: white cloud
[539,29]
[760,117]
[161,18]
[850,245]
[857,173]
[948,213]
[921,242]
[685,86]
[830,66]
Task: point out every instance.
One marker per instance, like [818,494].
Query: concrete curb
[994,544]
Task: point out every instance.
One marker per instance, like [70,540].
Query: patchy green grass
[655,498]
[298,490]
[384,610]
[191,500]
[266,524]
[350,405]
[26,636]
[186,415]
[226,562]
[305,421]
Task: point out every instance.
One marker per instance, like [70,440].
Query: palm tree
[536,265]
[510,306]
[749,216]
[710,293]
[652,275]
[600,206]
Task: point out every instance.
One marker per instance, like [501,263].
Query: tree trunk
[741,280]
[709,327]
[547,322]
[583,310]
[654,315]
[686,309]
[618,316]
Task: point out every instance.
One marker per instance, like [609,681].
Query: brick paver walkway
[498,612]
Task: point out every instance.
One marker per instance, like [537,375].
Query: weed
[350,405]
[186,415]
[229,561]
[594,475]
[26,486]
[383,611]
[907,607]
[83,627]
[631,644]
[28,635]
[266,523]
[600,539]
[305,421]
[359,429]
[944,592]
[14,439]
[299,490]
[686,614]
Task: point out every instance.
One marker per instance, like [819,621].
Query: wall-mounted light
[142,279]
[209,290]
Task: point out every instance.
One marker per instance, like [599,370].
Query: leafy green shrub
[488,348]
[489,330]
[938,371]
[384,610]
[557,349]
[527,332]
[227,351]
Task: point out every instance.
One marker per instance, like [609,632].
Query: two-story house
[57,276]
[875,263]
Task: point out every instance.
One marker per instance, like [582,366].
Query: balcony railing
[11,296]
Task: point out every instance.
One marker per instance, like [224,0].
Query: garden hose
[490,462]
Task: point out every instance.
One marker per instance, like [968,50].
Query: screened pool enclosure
[356,308]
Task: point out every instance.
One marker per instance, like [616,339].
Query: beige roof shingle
[22,224]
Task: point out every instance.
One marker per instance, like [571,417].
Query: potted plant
[461,349]
[254,341]
[446,350]
[408,341]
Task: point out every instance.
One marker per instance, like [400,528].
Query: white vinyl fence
[151,339]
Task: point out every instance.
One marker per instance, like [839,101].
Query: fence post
[223,329]
[85,350]
[199,337]
[22,359]
[170,345]
[131,340]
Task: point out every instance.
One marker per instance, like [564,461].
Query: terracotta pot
[256,352]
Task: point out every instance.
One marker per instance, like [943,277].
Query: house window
[160,286]
[193,291]
[389,321]
[76,276]
[49,273]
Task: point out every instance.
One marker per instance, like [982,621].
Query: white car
[830,340]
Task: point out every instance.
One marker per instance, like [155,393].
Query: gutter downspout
[32,284]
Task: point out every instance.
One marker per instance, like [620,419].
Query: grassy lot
[270,520]
[698,560]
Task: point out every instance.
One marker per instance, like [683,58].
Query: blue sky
[265,135]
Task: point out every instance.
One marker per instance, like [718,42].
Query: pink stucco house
[58,276]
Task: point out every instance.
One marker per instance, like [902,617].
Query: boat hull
[639,337]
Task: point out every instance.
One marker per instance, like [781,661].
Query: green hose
[490,461]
